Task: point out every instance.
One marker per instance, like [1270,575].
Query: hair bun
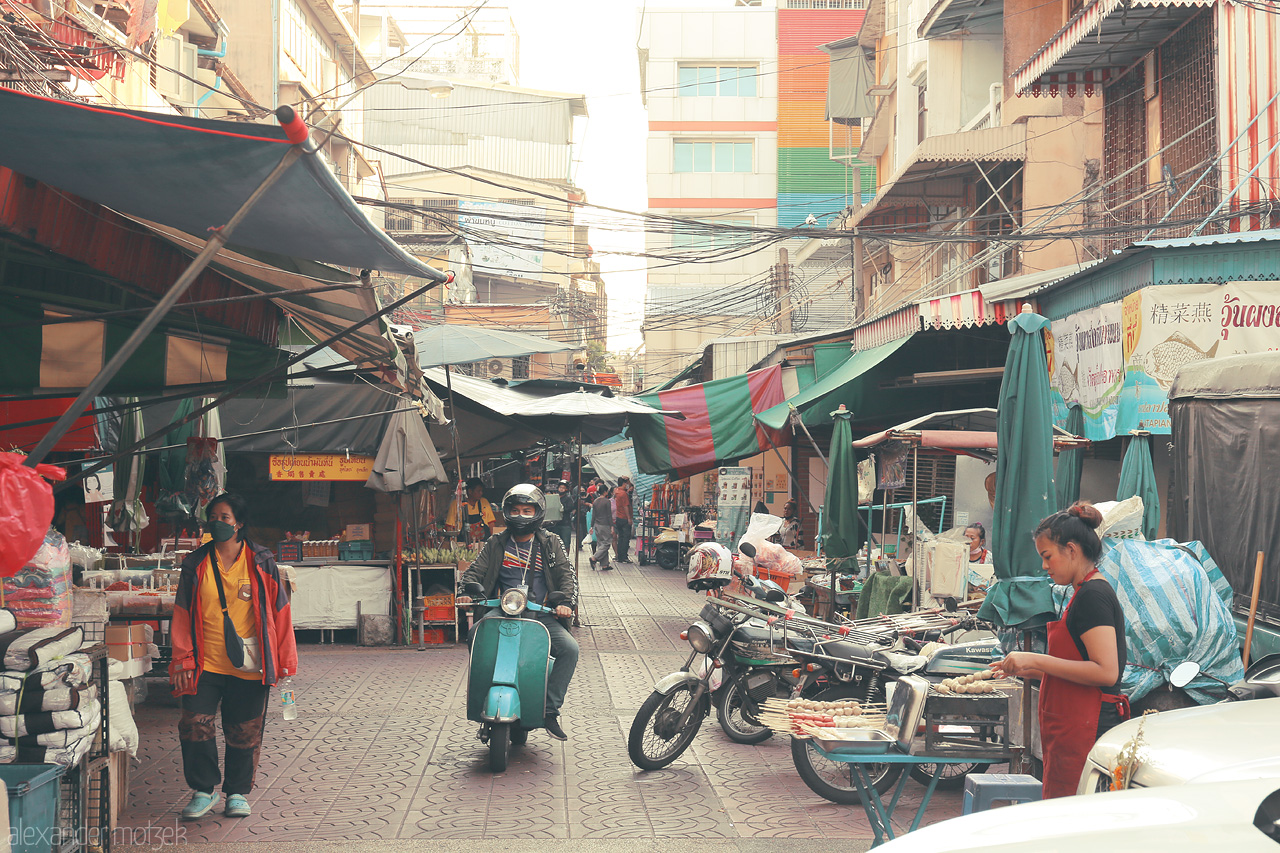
[1086,512]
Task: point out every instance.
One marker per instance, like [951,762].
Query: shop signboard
[1159,330]
[733,505]
[313,467]
[519,233]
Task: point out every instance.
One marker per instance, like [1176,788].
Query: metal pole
[123,452]
[577,540]
[796,420]
[460,493]
[217,240]
[790,474]
[915,525]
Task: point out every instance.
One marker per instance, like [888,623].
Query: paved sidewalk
[382,752]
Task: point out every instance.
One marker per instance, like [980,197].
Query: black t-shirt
[1096,604]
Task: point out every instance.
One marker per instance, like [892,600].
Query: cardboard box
[126,642]
[358,531]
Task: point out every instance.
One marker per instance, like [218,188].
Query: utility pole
[784,293]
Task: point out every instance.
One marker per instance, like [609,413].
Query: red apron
[1068,715]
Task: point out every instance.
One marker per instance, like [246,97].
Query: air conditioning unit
[495,366]
[176,54]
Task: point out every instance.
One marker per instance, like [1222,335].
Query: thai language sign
[1117,361]
[320,466]
[505,238]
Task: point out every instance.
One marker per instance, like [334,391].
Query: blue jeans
[564,648]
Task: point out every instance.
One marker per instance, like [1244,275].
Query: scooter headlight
[514,602]
[701,637]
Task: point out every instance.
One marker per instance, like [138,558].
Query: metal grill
[1124,148]
[1181,74]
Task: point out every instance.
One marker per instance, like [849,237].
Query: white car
[1222,742]
[1221,816]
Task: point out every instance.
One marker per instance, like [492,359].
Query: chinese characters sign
[313,467]
[1118,361]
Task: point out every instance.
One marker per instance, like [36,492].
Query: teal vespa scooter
[510,662]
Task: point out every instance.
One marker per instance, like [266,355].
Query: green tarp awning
[832,386]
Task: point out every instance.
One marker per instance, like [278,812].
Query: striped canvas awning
[1095,43]
[902,323]
[967,309]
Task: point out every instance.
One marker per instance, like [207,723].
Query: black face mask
[519,524]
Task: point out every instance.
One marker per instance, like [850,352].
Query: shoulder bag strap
[230,638]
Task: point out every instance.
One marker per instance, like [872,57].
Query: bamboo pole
[1253,607]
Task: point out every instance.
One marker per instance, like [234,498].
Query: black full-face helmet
[524,493]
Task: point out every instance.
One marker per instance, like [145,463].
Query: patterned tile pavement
[381,750]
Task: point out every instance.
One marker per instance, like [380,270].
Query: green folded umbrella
[1070,462]
[840,539]
[1020,596]
[1138,477]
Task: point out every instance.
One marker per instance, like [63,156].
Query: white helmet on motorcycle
[710,567]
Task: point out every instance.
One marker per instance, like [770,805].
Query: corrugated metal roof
[1213,239]
[1094,40]
[948,16]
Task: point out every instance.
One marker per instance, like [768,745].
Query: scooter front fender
[668,683]
[502,705]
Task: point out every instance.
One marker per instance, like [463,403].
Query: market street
[381,751]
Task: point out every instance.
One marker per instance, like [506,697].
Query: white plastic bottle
[288,707]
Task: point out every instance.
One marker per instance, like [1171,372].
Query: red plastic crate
[430,636]
[439,614]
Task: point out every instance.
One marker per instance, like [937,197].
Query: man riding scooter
[529,558]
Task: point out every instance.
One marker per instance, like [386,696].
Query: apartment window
[712,157]
[520,367]
[692,237]
[722,81]
[398,219]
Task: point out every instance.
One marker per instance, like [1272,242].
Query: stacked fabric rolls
[50,711]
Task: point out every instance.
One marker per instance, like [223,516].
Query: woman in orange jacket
[232,640]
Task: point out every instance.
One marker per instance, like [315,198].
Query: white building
[709,85]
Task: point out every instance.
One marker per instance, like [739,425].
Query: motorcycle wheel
[952,774]
[654,741]
[833,780]
[499,747]
[519,736]
[735,713]
[667,556]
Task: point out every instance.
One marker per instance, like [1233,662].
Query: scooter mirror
[1184,673]
[471,589]
[557,598]
[746,549]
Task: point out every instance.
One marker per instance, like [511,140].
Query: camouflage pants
[244,705]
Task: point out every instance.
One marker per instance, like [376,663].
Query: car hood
[1172,820]
[1200,743]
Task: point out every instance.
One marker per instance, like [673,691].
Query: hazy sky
[588,47]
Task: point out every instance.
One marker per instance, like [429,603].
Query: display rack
[421,577]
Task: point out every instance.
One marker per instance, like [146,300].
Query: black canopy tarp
[1225,420]
[193,174]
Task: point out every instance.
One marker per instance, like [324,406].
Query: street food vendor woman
[1080,694]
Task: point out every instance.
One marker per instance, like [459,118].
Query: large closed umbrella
[1138,477]
[1024,481]
[840,539]
[1070,462]
[407,457]
[839,534]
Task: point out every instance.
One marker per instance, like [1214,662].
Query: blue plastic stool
[983,789]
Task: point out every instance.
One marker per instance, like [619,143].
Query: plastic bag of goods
[39,595]
[773,558]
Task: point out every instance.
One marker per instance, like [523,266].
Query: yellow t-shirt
[235,581]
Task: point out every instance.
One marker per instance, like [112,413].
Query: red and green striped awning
[719,427]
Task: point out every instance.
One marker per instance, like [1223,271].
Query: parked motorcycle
[737,647]
[1261,680]
[860,666]
[509,665]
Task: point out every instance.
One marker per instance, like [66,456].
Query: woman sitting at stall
[981,570]
[1080,694]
